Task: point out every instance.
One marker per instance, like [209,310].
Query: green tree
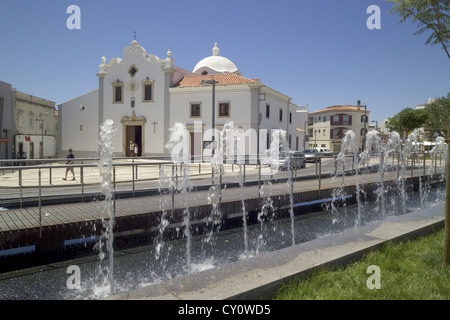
[430,15]
[407,120]
[438,115]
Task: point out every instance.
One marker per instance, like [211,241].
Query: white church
[145,96]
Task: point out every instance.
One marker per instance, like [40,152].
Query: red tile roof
[340,108]
[223,79]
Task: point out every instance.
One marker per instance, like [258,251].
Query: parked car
[324,152]
[315,154]
[298,160]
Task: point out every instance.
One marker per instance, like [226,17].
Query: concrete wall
[281,103]
[78,120]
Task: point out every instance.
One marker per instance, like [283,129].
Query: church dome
[216,64]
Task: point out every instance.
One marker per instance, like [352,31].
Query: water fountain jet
[107,212]
[179,151]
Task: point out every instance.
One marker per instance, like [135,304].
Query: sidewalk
[143,174]
[144,169]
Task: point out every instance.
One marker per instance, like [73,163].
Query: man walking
[70,158]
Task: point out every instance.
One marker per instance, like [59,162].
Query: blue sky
[317,52]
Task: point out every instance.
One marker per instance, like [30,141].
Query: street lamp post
[42,133]
[304,135]
[213,83]
[365,125]
[213,124]
[42,137]
[315,138]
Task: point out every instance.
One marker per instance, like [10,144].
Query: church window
[20,118]
[31,120]
[196,110]
[132,71]
[281,114]
[267,111]
[224,109]
[147,90]
[118,92]
[290,117]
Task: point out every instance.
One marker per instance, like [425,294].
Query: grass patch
[410,270]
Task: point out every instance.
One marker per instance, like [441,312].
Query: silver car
[298,160]
[315,154]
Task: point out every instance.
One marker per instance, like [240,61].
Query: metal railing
[36,179]
[150,172]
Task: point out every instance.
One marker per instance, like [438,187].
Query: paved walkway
[128,176]
[145,173]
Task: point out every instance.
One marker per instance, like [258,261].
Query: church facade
[145,96]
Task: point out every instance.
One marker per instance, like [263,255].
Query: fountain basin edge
[259,277]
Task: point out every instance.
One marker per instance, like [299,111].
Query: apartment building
[327,127]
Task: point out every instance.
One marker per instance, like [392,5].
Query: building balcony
[341,123]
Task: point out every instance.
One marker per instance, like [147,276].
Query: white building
[28,125]
[146,95]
